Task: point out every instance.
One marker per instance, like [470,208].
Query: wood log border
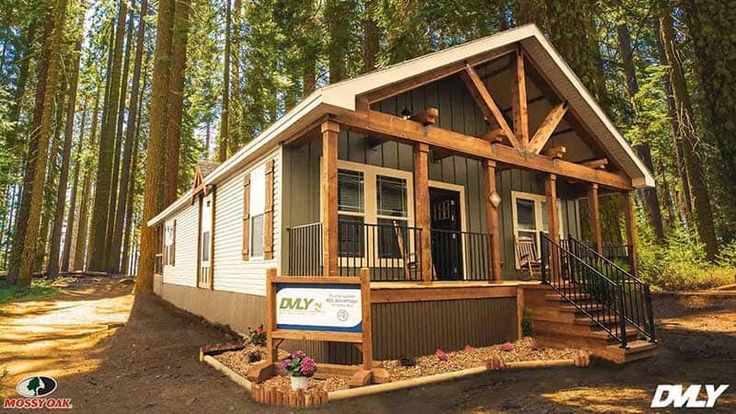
[287,398]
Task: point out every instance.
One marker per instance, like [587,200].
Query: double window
[372,203]
[530,216]
[170,244]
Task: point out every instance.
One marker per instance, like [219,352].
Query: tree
[153,190]
[224,145]
[71,218]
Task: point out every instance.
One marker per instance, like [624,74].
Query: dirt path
[150,364]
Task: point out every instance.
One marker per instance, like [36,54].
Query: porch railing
[461,255]
[305,250]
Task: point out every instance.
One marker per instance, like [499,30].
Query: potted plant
[300,368]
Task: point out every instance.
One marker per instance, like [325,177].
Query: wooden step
[636,350]
[556,297]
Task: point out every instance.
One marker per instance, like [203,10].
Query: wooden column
[594,208]
[628,204]
[552,221]
[492,218]
[519,101]
[421,194]
[328,204]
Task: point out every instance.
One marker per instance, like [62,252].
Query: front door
[446,238]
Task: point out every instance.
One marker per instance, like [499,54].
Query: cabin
[467,182]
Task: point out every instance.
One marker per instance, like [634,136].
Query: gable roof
[341,96]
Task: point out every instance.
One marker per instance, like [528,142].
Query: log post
[365,295]
[271,356]
[328,204]
[594,209]
[519,101]
[552,219]
[492,218]
[628,203]
[421,194]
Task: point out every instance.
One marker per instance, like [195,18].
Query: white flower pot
[299,383]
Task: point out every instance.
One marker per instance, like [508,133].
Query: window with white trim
[530,216]
[170,243]
[257,210]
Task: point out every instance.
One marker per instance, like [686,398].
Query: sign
[318,307]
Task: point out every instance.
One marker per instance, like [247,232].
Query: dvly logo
[689,398]
[38,386]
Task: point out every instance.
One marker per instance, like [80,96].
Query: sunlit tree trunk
[72,216]
[224,141]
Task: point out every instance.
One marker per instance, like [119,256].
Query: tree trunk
[130,138]
[650,196]
[103,190]
[80,246]
[689,137]
[224,144]
[131,191]
[371,37]
[113,254]
[336,15]
[71,219]
[176,99]
[235,113]
[54,43]
[53,267]
[711,26]
[153,191]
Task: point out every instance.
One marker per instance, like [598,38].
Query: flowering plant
[257,336]
[299,364]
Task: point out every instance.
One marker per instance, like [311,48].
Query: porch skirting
[402,328]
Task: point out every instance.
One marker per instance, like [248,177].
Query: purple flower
[308,366]
[285,363]
[298,354]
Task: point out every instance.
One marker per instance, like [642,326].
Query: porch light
[495,199]
[406,113]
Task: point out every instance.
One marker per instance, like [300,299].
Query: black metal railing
[458,255]
[305,250]
[587,289]
[615,252]
[391,251]
[637,299]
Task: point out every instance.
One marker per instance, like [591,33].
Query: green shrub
[527,327]
[38,289]
[727,256]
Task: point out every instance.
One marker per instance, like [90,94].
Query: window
[530,217]
[170,244]
[351,210]
[257,209]
[392,215]
[205,241]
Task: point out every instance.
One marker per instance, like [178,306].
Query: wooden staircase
[558,323]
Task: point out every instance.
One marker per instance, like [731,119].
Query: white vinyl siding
[185,271]
[231,272]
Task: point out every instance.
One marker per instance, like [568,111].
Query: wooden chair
[526,254]
[409,260]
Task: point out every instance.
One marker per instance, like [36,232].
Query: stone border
[300,400]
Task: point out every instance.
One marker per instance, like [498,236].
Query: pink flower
[507,347]
[442,355]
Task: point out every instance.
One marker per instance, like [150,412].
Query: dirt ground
[113,353]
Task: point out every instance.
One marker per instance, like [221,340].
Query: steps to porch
[557,323]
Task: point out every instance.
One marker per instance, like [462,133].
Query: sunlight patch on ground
[603,399]
[723,322]
[57,337]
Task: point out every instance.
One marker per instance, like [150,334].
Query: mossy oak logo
[673,395]
[38,386]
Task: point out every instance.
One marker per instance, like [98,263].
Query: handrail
[603,257]
[471,258]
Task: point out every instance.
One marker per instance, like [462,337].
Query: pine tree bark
[113,255]
[224,144]
[131,191]
[650,196]
[71,221]
[42,135]
[711,26]
[336,13]
[53,266]
[235,113]
[153,191]
[371,37]
[130,138]
[176,99]
[689,138]
[98,234]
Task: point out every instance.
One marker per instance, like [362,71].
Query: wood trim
[422,214]
[492,218]
[628,202]
[268,211]
[421,294]
[519,312]
[333,280]
[367,331]
[212,239]
[349,337]
[485,102]
[199,240]
[246,217]
[404,130]
[598,164]
[271,356]
[553,225]
[547,127]
[173,246]
[328,204]
[594,208]
[519,100]
[388,91]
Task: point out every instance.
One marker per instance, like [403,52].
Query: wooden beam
[427,117]
[547,127]
[557,153]
[594,208]
[271,356]
[330,131]
[495,136]
[349,337]
[552,221]
[599,164]
[395,128]
[485,102]
[519,101]
[420,294]
[367,327]
[397,88]
[492,218]
[421,194]
[628,203]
